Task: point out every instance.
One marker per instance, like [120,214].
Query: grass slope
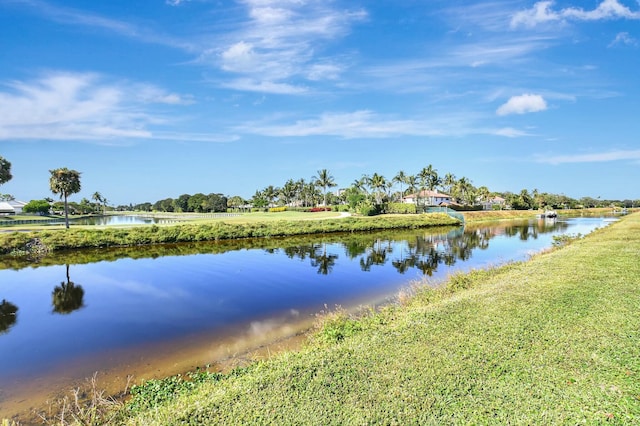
[555,340]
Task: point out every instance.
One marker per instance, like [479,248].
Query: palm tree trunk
[66,212]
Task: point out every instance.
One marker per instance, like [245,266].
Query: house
[17,205]
[6,209]
[496,202]
[429,198]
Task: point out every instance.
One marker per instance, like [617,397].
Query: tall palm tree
[64,182]
[400,178]
[97,197]
[429,178]
[5,171]
[378,184]
[412,186]
[448,183]
[325,180]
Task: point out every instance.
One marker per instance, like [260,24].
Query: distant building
[429,198]
[17,205]
[6,209]
[495,201]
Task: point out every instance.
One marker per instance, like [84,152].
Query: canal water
[176,307]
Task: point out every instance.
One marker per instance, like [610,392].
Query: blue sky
[157,98]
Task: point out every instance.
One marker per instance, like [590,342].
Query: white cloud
[542,12]
[522,104]
[624,38]
[510,132]
[75,106]
[279,42]
[600,157]
[262,86]
[364,124]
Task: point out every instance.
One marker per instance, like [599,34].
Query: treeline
[375,193]
[185,203]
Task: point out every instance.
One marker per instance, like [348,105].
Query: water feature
[113,310]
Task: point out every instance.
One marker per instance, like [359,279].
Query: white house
[429,198]
[6,209]
[17,205]
[494,201]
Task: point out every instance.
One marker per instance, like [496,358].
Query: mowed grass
[554,340]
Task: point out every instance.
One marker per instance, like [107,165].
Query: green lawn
[555,340]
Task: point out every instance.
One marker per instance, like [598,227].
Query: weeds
[90,406]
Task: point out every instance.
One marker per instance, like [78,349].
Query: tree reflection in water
[8,316]
[323,261]
[67,297]
[424,252]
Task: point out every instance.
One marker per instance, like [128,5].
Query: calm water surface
[90,304]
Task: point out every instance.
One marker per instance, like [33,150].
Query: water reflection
[408,251]
[136,297]
[67,297]
[8,316]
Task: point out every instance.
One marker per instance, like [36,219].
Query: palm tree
[400,178]
[97,197]
[64,182]
[412,186]
[5,171]
[464,189]
[378,184]
[325,180]
[67,297]
[448,183]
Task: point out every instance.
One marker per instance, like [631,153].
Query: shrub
[277,209]
[401,208]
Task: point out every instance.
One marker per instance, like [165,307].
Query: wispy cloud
[543,12]
[75,106]
[276,46]
[522,104]
[625,39]
[599,157]
[369,124]
[73,16]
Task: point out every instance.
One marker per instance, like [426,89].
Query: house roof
[427,193]
[6,207]
[16,203]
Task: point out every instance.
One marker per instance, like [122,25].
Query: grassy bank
[22,243]
[550,341]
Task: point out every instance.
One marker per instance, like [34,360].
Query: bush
[401,208]
[277,209]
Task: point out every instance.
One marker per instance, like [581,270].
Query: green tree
[236,202]
[37,206]
[181,204]
[65,182]
[378,184]
[325,180]
[97,197]
[197,203]
[5,171]
[448,183]
[400,178]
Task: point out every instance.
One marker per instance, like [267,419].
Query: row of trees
[185,203]
[369,191]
